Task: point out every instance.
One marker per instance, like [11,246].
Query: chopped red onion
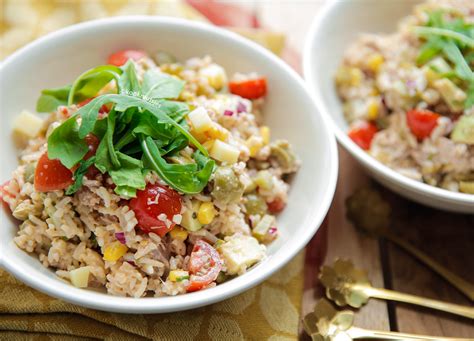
[131,262]
[272,231]
[241,107]
[228,113]
[120,236]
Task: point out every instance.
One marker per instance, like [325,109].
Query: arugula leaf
[89,114]
[92,81]
[188,178]
[51,99]
[79,175]
[106,157]
[455,56]
[161,85]
[429,50]
[442,32]
[126,191]
[128,81]
[65,144]
[129,177]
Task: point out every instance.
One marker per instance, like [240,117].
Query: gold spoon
[326,323]
[371,214]
[347,285]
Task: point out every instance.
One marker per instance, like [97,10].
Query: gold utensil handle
[359,333]
[462,285]
[421,301]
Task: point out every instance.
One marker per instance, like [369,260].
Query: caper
[254,205]
[227,186]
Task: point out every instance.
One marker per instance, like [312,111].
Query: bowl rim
[368,161]
[318,210]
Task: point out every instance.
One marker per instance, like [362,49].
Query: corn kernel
[179,233]
[115,251]
[178,275]
[373,110]
[265,133]
[375,62]
[217,132]
[206,213]
[374,92]
[200,136]
[356,76]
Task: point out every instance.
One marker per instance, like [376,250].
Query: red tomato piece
[104,109]
[362,134]
[153,202]
[276,206]
[51,175]
[121,57]
[422,122]
[204,266]
[250,88]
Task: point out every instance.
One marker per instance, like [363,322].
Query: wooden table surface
[448,238]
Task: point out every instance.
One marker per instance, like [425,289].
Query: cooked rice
[70,232]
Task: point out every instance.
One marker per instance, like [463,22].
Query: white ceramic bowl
[290,111]
[337,25]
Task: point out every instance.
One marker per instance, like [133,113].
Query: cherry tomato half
[151,203]
[51,175]
[362,134]
[276,206]
[121,57]
[422,122]
[204,266]
[250,88]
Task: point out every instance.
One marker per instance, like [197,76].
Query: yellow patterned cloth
[269,311]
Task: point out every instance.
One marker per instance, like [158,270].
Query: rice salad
[149,177]
[409,96]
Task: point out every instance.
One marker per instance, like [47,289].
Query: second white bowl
[337,26]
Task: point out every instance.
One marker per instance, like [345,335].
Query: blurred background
[278,25]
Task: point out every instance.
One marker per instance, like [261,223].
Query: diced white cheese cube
[240,252]
[224,152]
[200,119]
[27,124]
[80,277]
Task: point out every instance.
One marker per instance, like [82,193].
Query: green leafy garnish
[454,39]
[128,81]
[128,177]
[188,178]
[161,85]
[79,175]
[141,130]
[51,99]
[92,81]
[65,144]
